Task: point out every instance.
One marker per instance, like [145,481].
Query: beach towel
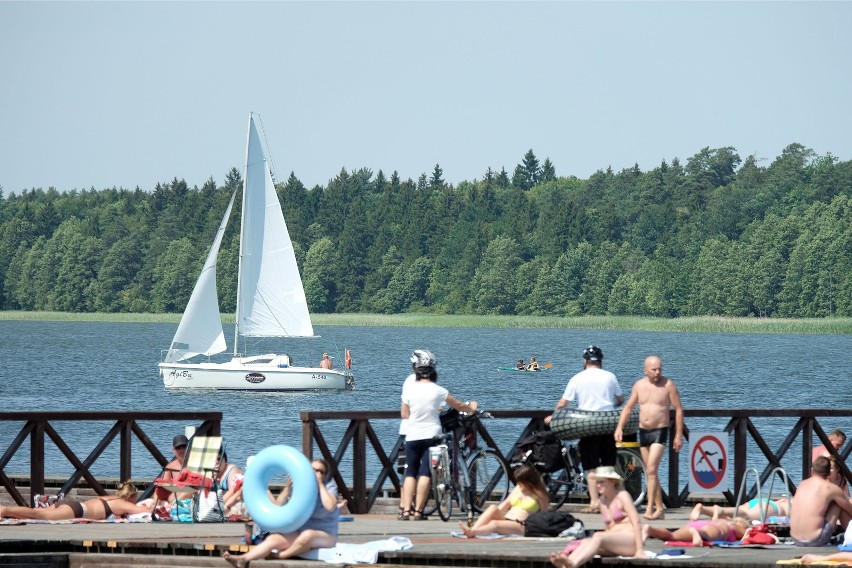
[686,543]
[460,534]
[798,562]
[366,553]
[727,544]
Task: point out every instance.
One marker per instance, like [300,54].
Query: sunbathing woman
[699,532]
[319,531]
[96,509]
[623,533]
[750,510]
[528,496]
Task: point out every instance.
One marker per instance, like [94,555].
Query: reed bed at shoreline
[698,324]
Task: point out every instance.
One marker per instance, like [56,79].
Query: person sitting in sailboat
[326,362]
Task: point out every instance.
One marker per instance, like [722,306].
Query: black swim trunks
[653,436]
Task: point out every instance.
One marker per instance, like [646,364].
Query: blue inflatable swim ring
[303,496]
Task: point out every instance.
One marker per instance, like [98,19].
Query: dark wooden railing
[37,425]
[359,436]
[741,425]
[364,492]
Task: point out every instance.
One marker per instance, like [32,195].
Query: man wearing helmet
[596,390]
[421,406]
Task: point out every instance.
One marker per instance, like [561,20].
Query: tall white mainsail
[200,330]
[270,300]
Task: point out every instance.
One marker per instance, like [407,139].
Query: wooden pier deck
[201,545]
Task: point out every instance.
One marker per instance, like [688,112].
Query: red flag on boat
[348,359]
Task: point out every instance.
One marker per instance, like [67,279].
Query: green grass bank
[831,326]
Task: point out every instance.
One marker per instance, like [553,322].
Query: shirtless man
[655,395]
[817,507]
[837,437]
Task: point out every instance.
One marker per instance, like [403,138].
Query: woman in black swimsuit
[97,509]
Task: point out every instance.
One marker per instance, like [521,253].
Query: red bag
[760,534]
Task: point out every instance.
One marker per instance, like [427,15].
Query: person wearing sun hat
[622,535]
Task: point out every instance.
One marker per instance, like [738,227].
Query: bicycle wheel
[443,495]
[431,505]
[630,466]
[559,486]
[489,478]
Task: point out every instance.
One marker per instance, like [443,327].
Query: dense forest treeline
[717,235]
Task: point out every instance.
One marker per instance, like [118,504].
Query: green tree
[320,268]
[494,285]
[175,274]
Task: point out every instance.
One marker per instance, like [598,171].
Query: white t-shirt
[593,389]
[403,424]
[424,400]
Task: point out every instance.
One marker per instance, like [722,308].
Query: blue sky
[103,94]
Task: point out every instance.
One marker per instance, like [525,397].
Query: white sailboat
[270,302]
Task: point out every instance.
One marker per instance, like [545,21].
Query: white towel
[366,553]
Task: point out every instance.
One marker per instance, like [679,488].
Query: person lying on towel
[96,509]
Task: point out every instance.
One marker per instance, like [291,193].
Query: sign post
[708,462]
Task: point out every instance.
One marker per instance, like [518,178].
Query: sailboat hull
[239,376]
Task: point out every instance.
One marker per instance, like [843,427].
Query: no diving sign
[708,462]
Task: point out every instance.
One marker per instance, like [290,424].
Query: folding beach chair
[198,477]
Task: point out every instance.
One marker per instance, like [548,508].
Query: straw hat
[607,472]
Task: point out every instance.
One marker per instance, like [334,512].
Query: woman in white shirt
[421,406]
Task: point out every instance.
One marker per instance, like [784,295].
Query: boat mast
[242,239]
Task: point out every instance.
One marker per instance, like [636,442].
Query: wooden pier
[202,544]
[178,544]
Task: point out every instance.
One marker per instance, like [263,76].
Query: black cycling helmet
[592,353]
[422,359]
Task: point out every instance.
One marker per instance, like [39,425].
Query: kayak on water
[523,370]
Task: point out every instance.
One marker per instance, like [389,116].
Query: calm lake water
[113,367]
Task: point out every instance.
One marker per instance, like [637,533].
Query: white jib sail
[200,329]
[271,300]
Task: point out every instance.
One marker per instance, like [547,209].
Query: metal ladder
[761,503]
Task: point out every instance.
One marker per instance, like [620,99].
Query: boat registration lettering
[178,374]
[255,378]
[320,377]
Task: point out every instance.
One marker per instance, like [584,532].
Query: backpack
[541,449]
[553,523]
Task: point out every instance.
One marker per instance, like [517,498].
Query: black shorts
[596,451]
[417,459]
[653,436]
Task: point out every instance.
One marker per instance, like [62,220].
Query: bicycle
[562,472]
[464,472]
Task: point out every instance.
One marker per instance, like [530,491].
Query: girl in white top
[421,406]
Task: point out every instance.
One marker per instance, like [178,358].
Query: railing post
[807,447]
[124,451]
[37,460]
[307,436]
[359,466]
[740,449]
[674,475]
